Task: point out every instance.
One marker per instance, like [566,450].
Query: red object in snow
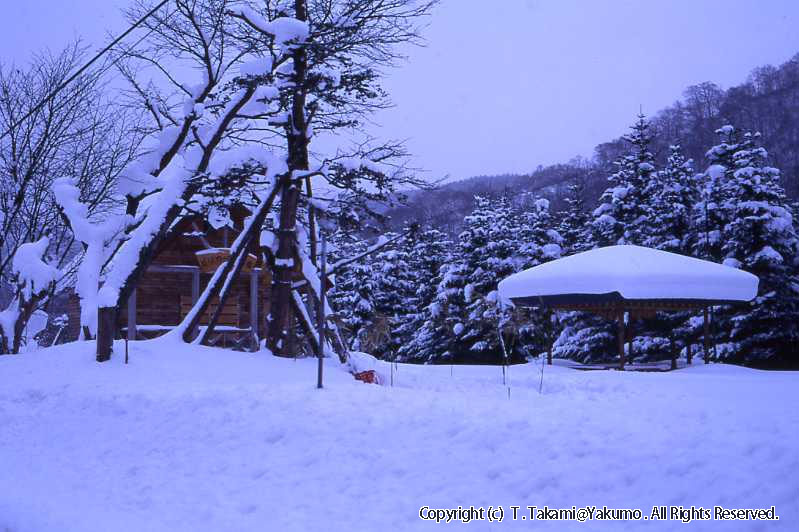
[369,377]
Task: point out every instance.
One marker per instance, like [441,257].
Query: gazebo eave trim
[615,301]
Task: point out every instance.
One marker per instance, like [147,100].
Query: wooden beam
[179,268]
[195,294]
[302,314]
[195,286]
[254,305]
[172,268]
[689,355]
[131,333]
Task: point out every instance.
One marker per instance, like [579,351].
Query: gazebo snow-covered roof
[624,273]
[640,281]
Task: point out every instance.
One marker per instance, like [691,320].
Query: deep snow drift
[192,438]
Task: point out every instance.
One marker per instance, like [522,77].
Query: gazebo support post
[621,340]
[630,334]
[689,355]
[673,352]
[550,316]
[707,336]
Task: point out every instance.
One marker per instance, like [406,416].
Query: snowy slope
[196,438]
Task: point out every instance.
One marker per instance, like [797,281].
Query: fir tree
[539,242]
[424,333]
[672,197]
[710,215]
[393,283]
[672,194]
[622,214]
[574,220]
[760,238]
[488,249]
[353,294]
[585,337]
[537,239]
[440,340]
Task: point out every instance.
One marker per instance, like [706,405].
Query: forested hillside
[767,102]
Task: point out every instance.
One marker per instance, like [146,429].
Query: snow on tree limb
[97,238]
[34,278]
[31,269]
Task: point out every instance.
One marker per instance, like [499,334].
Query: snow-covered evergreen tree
[394,285]
[672,194]
[353,295]
[585,337]
[487,249]
[440,339]
[623,210]
[424,332]
[537,239]
[538,243]
[574,219]
[760,238]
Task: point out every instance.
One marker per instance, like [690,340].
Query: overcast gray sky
[505,85]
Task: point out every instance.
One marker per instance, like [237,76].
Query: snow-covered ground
[196,438]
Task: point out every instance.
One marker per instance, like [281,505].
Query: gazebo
[635,280]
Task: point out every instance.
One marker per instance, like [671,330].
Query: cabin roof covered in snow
[616,273]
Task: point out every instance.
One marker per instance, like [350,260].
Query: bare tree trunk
[106,316]
[297,139]
[106,331]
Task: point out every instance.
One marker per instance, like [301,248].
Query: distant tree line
[767,102]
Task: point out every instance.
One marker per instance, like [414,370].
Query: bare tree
[78,135]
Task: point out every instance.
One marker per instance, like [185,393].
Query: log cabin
[180,270]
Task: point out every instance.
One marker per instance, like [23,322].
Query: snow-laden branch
[33,273]
[34,278]
[178,182]
[98,240]
[286,31]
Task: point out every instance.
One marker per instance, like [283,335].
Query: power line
[82,69]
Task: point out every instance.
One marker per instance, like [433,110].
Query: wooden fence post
[132,315]
[254,307]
